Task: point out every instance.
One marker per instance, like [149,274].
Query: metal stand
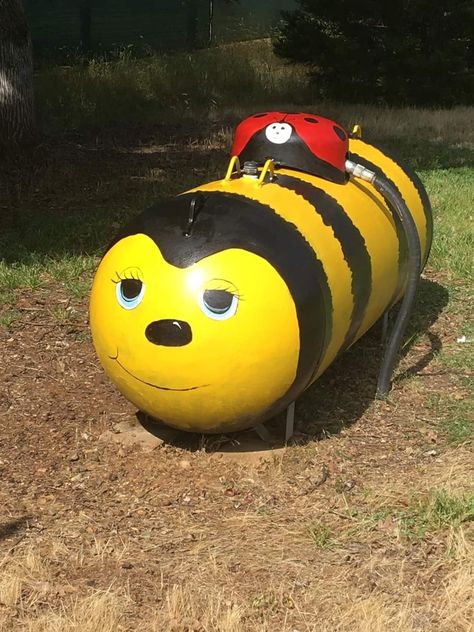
[386,318]
[290,422]
[263,433]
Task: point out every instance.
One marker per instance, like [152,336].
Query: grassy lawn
[364,524]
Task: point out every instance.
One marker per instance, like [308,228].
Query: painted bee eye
[218,304]
[130,293]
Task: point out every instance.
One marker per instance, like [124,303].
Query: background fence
[65,28]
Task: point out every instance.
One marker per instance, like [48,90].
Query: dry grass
[448,607]
[260,570]
[423,125]
[335,602]
[185,608]
[34,598]
[99,612]
[340,601]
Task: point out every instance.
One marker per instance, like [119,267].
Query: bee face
[206,347]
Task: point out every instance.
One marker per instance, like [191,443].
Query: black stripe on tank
[227,220]
[401,237]
[352,244]
[425,201]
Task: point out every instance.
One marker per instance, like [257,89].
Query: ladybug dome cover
[305,142]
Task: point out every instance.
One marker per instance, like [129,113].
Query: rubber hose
[393,197]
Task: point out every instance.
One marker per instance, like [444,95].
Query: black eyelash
[124,278]
[231,291]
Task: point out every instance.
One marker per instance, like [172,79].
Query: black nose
[169,333]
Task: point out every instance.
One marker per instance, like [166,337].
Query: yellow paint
[298,211]
[406,187]
[370,214]
[240,365]
[233,168]
[373,219]
[233,370]
[268,168]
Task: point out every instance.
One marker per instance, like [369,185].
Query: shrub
[418,52]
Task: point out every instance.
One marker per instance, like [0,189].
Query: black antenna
[195,206]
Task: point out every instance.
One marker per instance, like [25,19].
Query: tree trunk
[17,115]
[85,16]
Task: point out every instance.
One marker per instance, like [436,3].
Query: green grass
[451,193]
[39,270]
[19,275]
[455,413]
[460,354]
[321,535]
[265,601]
[440,511]
[459,428]
[8,318]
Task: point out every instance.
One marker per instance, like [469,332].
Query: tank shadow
[338,399]
[233,442]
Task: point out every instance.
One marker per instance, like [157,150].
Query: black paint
[169,333]
[218,301]
[401,236]
[425,201]
[294,154]
[340,132]
[228,221]
[130,288]
[352,244]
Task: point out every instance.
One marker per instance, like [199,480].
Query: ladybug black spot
[311,120]
[260,115]
[340,132]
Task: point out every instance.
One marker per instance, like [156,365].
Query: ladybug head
[304,142]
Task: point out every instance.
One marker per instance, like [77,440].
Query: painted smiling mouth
[160,388]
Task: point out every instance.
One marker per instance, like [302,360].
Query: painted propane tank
[214,310]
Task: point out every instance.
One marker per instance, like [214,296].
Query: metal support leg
[290,422]
[263,433]
[386,318]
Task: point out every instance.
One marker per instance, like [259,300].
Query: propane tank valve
[359,171]
[250,168]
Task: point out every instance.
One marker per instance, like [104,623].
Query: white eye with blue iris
[130,293]
[218,304]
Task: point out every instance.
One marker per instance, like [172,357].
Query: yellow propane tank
[214,310]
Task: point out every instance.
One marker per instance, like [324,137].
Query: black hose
[393,197]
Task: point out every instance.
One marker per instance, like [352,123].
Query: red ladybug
[305,142]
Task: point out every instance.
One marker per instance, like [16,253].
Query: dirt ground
[108,526]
